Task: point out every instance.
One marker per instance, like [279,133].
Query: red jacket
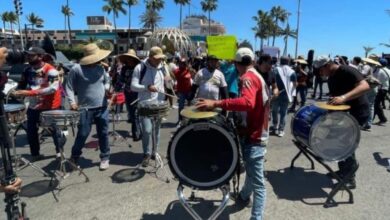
[183,78]
[254,100]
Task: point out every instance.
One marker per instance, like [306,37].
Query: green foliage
[72,53]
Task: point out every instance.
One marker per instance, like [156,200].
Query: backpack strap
[142,73]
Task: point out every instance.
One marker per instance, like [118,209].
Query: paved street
[291,194]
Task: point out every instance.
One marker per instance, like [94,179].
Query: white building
[199,26]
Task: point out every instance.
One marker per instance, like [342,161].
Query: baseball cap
[383,61]
[35,51]
[244,52]
[321,61]
[156,53]
[212,57]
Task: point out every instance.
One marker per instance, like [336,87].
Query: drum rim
[65,113]
[17,107]
[355,145]
[195,184]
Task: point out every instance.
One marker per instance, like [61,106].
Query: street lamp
[299,15]
[18,10]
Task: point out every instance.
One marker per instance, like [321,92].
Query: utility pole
[298,22]
[19,12]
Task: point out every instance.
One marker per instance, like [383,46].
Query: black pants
[349,164]
[317,83]
[380,97]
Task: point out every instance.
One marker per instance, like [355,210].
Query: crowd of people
[262,91]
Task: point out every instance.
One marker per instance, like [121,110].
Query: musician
[148,81]
[40,83]
[91,82]
[209,82]
[15,186]
[346,86]
[253,104]
[129,61]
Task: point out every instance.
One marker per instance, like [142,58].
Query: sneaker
[239,201]
[280,134]
[145,161]
[104,164]
[153,157]
[174,107]
[37,157]
[58,156]
[338,173]
[163,118]
[366,127]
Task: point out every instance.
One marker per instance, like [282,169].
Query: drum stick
[169,95]
[135,101]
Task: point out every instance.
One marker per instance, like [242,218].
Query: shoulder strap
[142,73]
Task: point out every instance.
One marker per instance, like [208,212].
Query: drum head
[13,107]
[334,136]
[203,155]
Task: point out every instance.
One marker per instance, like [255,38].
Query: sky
[331,27]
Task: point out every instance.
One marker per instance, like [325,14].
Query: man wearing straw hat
[346,85]
[90,81]
[129,61]
[148,81]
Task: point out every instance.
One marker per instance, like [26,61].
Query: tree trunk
[209,23]
[33,34]
[261,45]
[128,31]
[180,16]
[69,33]
[285,46]
[116,35]
[274,36]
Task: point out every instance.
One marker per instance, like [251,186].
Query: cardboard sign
[223,47]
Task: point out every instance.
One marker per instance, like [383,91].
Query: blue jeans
[371,102]
[254,182]
[32,133]
[87,117]
[182,101]
[279,107]
[146,127]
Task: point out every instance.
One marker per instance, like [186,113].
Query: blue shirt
[231,77]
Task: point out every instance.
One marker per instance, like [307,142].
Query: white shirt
[209,83]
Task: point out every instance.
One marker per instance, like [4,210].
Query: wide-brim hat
[301,61]
[156,53]
[371,61]
[130,54]
[93,54]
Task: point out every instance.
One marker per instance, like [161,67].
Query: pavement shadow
[82,162]
[126,158]
[381,161]
[297,184]
[127,175]
[38,188]
[204,208]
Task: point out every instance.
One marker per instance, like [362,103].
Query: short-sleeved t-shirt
[344,80]
[209,83]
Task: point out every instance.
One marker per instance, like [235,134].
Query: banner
[223,47]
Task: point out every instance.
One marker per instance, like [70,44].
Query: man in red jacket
[253,104]
[184,83]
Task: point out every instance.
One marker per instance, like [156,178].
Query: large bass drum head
[334,136]
[203,155]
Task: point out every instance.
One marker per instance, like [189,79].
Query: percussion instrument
[331,135]
[193,113]
[153,108]
[327,106]
[15,113]
[204,154]
[59,118]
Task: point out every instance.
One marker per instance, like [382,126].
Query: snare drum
[204,153]
[153,108]
[59,118]
[331,135]
[15,113]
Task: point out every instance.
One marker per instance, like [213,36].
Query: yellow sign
[223,47]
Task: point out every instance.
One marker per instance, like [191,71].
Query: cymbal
[193,113]
[327,106]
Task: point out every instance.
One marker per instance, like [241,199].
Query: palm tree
[35,21]
[287,33]
[4,18]
[385,44]
[65,9]
[264,25]
[114,6]
[12,19]
[209,6]
[278,14]
[181,3]
[150,19]
[155,5]
[130,3]
[367,50]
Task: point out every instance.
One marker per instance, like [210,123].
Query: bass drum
[331,135]
[203,154]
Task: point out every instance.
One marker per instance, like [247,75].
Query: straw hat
[130,54]
[371,61]
[301,61]
[156,53]
[93,54]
